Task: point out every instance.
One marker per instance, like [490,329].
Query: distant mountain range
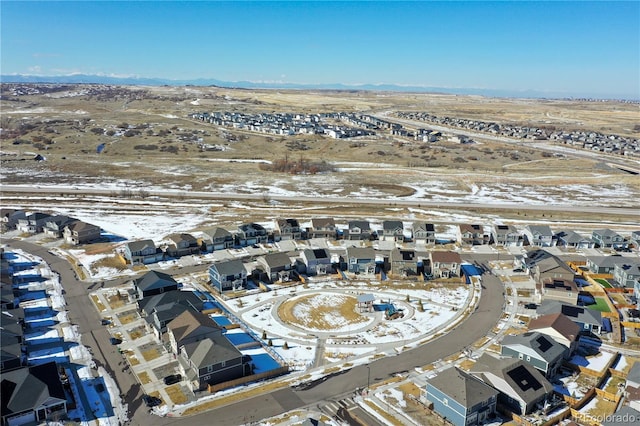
[141,81]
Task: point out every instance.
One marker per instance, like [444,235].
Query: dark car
[151,401]
[173,378]
[530,306]
[105,321]
[115,341]
[518,270]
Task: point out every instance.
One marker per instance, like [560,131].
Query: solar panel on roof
[572,311]
[543,343]
[524,379]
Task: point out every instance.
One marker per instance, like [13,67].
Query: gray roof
[546,262]
[154,279]
[527,381]
[546,348]
[177,238]
[634,373]
[218,233]
[135,246]
[429,227]
[540,229]
[607,261]
[361,252]
[462,387]
[184,298]
[211,350]
[27,388]
[274,260]
[315,254]
[605,232]
[229,267]
[391,225]
[574,313]
[362,224]
[572,237]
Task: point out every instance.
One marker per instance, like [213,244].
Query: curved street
[95,336]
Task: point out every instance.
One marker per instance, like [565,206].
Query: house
[559,289]
[560,328]
[506,235]
[228,275]
[217,239]
[587,320]
[445,264]
[32,395]
[33,223]
[154,282]
[604,264]
[358,230]
[204,355]
[288,229]
[80,232]
[142,252]
[323,227]
[406,262]
[361,260]
[543,265]
[317,261]
[635,239]
[277,266]
[624,416]
[393,230]
[12,354]
[9,218]
[571,239]
[161,309]
[251,233]
[538,236]
[461,398]
[626,274]
[606,238]
[523,389]
[535,348]
[54,225]
[472,235]
[424,233]
[182,245]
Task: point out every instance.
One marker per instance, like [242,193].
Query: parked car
[518,270]
[115,341]
[530,306]
[171,379]
[151,401]
[105,321]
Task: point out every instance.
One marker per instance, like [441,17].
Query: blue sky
[575,48]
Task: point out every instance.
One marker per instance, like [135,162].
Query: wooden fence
[253,378]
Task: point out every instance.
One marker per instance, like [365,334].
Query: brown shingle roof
[558,322]
[445,257]
[189,322]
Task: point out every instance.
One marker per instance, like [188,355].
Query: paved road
[82,312]
[332,200]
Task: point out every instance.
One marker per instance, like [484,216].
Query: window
[528,358]
[209,368]
[445,401]
[223,363]
[521,356]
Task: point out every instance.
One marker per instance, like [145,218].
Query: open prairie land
[149,141]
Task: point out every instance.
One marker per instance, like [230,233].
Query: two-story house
[161,309]
[626,274]
[461,398]
[358,230]
[287,229]
[560,328]
[588,320]
[506,235]
[571,239]
[276,266]
[606,238]
[322,227]
[445,264]
[142,252]
[251,233]
[559,289]
[228,275]
[154,282]
[472,235]
[392,230]
[80,232]
[537,349]
[538,236]
[9,218]
[523,389]
[424,233]
[604,264]
[33,223]
[182,245]
[317,261]
[217,239]
[54,225]
[361,260]
[204,355]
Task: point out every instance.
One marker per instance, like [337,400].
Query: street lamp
[368,377]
